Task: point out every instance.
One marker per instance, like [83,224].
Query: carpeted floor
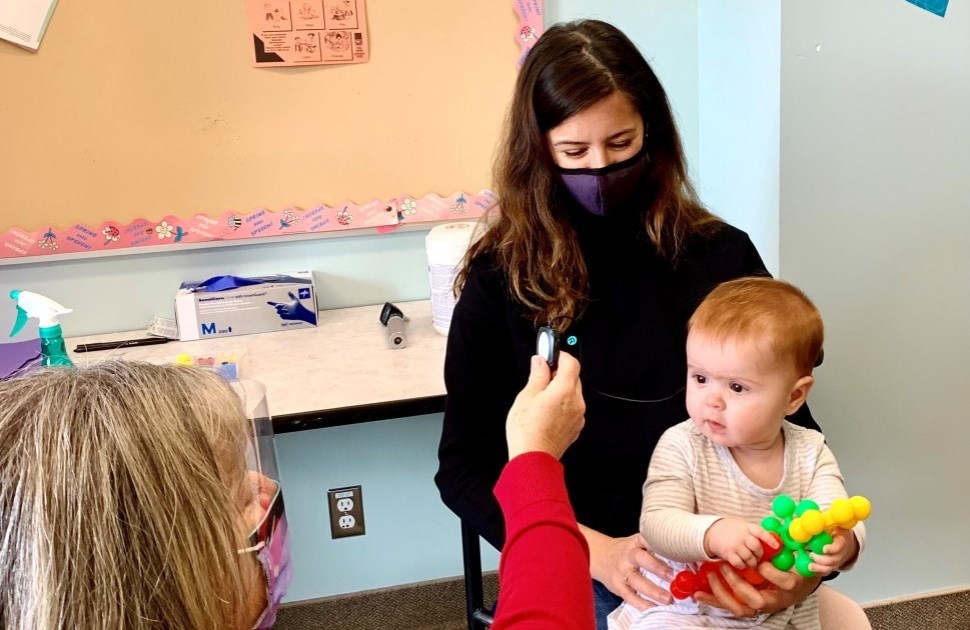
[440,605]
[944,611]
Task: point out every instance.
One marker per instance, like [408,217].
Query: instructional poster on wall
[308,32]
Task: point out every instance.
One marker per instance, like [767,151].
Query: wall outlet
[346,512]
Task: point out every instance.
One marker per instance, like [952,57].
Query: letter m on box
[209,329]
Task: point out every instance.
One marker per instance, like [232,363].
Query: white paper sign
[23,22]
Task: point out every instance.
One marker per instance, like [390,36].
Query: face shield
[264,514]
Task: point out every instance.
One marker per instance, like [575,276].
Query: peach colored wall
[137,110]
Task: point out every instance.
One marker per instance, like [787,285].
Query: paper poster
[308,32]
[23,22]
[933,6]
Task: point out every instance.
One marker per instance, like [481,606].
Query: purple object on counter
[19,357]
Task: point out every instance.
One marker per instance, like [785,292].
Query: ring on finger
[626,580]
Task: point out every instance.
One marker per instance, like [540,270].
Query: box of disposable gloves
[224,306]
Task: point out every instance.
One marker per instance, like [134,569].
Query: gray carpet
[440,605]
[950,611]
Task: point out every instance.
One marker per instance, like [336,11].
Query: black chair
[479,617]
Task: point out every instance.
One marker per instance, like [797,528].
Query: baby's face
[737,391]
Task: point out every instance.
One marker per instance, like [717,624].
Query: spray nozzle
[30,305]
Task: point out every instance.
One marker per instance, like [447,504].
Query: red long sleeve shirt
[544,578]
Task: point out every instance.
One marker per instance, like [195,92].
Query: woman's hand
[616,563]
[784,589]
[547,415]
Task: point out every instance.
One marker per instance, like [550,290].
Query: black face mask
[601,191]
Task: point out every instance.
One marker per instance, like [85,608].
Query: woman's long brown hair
[571,67]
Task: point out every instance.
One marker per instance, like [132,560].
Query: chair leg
[478,617]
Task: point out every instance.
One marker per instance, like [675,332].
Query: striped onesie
[692,482]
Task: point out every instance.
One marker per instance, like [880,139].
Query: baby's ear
[799,393]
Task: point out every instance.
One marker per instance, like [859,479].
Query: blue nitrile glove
[294,310]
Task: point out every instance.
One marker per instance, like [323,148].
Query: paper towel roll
[446,245]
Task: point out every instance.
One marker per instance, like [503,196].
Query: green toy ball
[819,541]
[802,560]
[783,506]
[788,541]
[771,524]
[805,504]
[783,560]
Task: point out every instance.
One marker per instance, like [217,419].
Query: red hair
[767,310]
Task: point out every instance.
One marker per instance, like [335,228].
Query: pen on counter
[122,343]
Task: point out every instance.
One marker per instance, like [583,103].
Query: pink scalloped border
[385,215]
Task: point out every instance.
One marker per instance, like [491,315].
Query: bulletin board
[145,125]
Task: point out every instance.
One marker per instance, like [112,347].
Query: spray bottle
[46,311]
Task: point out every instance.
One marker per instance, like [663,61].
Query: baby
[751,348]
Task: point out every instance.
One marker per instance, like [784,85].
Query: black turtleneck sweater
[633,368]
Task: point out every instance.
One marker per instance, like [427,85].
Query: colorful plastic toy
[226,365]
[799,528]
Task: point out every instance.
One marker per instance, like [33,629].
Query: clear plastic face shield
[264,513]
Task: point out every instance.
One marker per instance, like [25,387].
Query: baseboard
[440,605]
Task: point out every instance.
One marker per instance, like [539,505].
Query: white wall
[875,226]
[739,116]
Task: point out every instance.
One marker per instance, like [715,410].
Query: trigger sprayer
[46,311]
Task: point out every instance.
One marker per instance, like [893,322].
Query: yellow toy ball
[812,521]
[797,532]
[841,511]
[861,507]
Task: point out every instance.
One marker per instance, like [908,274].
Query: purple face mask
[601,191]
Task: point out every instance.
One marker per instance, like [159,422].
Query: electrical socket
[346,511]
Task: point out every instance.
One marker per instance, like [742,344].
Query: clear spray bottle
[46,310]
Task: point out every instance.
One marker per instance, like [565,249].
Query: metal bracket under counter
[341,372]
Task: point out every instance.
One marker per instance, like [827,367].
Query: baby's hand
[840,551]
[737,542]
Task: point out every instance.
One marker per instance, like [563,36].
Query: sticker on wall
[200,228]
[530,25]
[433,207]
[933,6]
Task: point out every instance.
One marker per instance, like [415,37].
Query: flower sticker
[164,230]
[288,220]
[49,241]
[461,205]
[408,207]
[111,234]
[344,218]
